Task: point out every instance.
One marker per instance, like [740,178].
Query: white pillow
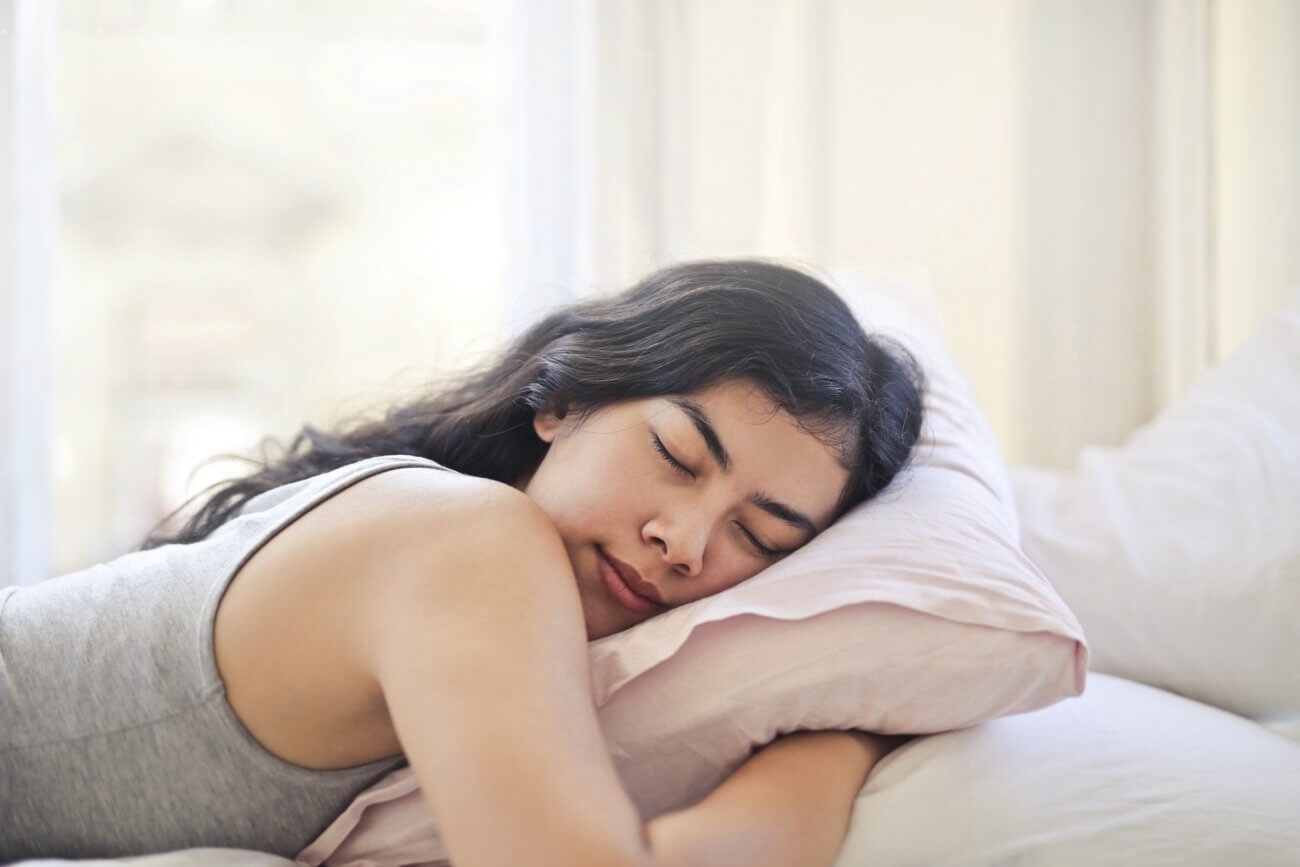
[1180,550]
[915,612]
[1126,775]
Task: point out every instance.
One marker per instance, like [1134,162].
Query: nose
[681,543]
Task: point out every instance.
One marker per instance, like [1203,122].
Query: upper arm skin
[479,649]
[435,614]
[494,710]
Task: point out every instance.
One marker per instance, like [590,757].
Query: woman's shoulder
[298,622]
[405,522]
[414,501]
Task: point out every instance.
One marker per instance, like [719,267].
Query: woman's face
[645,534]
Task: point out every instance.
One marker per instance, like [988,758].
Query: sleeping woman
[421,588]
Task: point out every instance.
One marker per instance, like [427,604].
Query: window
[269,213]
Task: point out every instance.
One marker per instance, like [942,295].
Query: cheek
[553,488]
[728,568]
[589,488]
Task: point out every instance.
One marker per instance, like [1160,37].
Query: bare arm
[480,653]
[789,804]
[484,672]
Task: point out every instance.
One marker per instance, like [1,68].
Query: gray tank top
[115,734]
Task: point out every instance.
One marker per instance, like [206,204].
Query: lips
[626,586]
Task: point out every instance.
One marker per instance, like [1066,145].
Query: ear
[547,425]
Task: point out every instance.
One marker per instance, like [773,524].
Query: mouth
[619,579]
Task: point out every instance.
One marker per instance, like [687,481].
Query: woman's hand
[789,804]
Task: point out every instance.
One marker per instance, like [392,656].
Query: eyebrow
[704,425]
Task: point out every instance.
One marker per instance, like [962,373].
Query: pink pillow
[916,612]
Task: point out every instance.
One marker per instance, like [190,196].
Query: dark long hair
[681,329]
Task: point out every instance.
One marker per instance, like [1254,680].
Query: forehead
[769,451]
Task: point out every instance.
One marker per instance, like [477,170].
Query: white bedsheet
[1124,775]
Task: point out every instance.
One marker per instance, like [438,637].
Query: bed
[1126,774]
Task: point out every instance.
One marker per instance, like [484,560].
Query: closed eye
[763,550]
[667,456]
[759,548]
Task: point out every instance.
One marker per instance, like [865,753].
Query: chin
[599,626]
[594,628]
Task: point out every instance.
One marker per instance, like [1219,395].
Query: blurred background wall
[226,218]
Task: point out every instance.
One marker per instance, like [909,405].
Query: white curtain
[1106,193]
[548,63]
[27,226]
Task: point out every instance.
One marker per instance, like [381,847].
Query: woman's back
[116,719]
